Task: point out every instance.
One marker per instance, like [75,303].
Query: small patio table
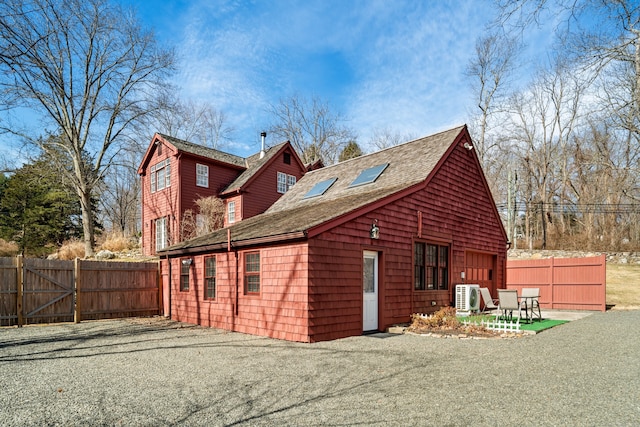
[528,306]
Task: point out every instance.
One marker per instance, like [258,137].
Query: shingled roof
[201,150]
[293,215]
[254,163]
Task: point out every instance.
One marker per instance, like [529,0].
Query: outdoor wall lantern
[187,261]
[374,233]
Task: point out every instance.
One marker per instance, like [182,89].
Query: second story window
[285,182]
[202,175]
[160,175]
[231,212]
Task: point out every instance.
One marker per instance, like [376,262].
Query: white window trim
[202,175]
[285,182]
[165,167]
[161,233]
[231,212]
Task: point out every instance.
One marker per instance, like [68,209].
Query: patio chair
[507,303]
[489,303]
[530,296]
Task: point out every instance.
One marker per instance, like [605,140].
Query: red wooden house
[353,247]
[176,173]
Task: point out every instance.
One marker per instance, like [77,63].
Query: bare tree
[490,70]
[88,69]
[314,130]
[210,217]
[385,137]
[197,122]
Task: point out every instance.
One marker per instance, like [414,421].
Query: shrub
[8,248]
[71,250]
[443,318]
[117,242]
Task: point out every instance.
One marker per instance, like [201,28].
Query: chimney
[263,135]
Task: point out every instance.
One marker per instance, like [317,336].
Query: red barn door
[480,268]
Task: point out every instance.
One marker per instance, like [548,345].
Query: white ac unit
[467,297]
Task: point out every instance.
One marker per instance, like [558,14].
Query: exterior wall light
[187,261]
[374,233]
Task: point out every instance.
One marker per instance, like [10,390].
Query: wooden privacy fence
[565,283]
[51,291]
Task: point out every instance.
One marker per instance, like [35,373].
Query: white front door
[370,291]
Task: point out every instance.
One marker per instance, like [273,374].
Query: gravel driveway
[154,372]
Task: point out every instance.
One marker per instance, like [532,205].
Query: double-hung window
[210,277]
[202,175]
[431,266]
[231,212]
[252,273]
[185,268]
[160,175]
[285,182]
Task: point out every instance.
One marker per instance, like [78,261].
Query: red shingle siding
[159,204]
[262,192]
[456,211]
[279,311]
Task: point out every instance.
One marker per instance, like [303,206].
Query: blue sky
[389,64]
[394,64]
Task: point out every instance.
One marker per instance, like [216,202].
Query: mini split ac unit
[467,297]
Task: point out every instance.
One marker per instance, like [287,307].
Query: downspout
[169,285]
[235,309]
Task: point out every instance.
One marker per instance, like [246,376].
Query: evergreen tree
[39,211]
[350,151]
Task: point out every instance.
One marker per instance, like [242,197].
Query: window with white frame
[285,182]
[231,212]
[161,233]
[202,175]
[210,277]
[252,273]
[160,175]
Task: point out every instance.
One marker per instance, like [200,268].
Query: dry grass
[623,286]
[71,250]
[117,242]
[8,248]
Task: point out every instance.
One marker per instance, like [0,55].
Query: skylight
[369,175]
[320,188]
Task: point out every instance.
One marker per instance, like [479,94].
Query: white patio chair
[489,303]
[529,297]
[508,302]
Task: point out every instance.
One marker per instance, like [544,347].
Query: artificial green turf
[537,325]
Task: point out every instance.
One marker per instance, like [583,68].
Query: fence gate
[48,291]
[8,292]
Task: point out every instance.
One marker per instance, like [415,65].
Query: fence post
[20,287]
[160,295]
[77,310]
[551,280]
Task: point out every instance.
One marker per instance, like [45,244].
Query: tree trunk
[87,221]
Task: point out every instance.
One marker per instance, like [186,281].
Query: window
[160,175]
[161,233]
[159,145]
[202,175]
[285,182]
[320,188]
[210,278]
[231,212]
[252,273]
[287,158]
[185,266]
[431,266]
[369,175]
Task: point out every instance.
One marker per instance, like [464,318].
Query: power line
[568,208]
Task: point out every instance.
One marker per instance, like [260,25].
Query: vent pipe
[263,135]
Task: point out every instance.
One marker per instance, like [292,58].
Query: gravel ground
[154,372]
